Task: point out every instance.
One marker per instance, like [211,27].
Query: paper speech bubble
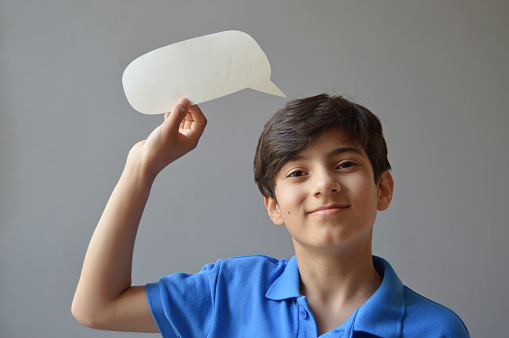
[201,69]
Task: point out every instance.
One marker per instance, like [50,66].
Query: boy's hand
[175,137]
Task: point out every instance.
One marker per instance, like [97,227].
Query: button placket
[307,324]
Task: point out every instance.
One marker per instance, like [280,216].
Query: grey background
[436,72]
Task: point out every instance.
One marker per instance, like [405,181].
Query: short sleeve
[182,304]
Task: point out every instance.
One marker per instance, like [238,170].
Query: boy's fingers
[177,115]
[199,119]
[188,121]
[197,114]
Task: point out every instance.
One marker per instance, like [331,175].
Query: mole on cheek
[288,213]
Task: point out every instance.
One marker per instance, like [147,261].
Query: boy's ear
[385,190]
[273,210]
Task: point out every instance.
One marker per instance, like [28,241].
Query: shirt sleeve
[182,304]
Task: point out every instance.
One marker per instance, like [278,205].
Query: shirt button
[304,314]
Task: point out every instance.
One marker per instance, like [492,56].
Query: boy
[321,165]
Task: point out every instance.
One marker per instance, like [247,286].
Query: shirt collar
[381,315]
[287,285]
[383,312]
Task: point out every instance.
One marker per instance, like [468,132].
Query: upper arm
[129,312]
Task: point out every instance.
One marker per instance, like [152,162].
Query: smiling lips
[328,210]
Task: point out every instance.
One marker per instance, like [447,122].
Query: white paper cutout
[201,69]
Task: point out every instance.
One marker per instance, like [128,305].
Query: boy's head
[293,128]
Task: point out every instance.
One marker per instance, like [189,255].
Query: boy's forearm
[107,267]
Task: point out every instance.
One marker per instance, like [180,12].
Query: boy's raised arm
[104,298]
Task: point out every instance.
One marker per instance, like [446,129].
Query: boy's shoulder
[245,264]
[424,317]
[262,259]
[240,262]
[248,274]
[249,264]
[412,314]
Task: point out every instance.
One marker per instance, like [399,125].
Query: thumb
[177,115]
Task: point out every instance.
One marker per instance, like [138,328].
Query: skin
[105,298]
[328,200]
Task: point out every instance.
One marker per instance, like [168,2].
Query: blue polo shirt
[258,296]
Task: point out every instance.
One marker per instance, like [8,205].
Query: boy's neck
[335,284]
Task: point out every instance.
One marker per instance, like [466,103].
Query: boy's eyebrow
[335,152]
[340,151]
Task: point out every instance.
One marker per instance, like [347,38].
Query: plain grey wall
[436,72]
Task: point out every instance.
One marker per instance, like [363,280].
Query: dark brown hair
[294,127]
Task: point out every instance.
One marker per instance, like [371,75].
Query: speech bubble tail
[269,88]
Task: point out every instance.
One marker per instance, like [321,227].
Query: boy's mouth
[329,209]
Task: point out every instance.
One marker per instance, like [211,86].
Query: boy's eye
[296,173]
[346,164]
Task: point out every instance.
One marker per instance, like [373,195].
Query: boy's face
[327,196]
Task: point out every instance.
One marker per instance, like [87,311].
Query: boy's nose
[325,183]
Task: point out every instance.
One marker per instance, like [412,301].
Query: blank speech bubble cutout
[201,69]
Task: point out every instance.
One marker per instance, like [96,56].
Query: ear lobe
[273,210]
[385,190]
